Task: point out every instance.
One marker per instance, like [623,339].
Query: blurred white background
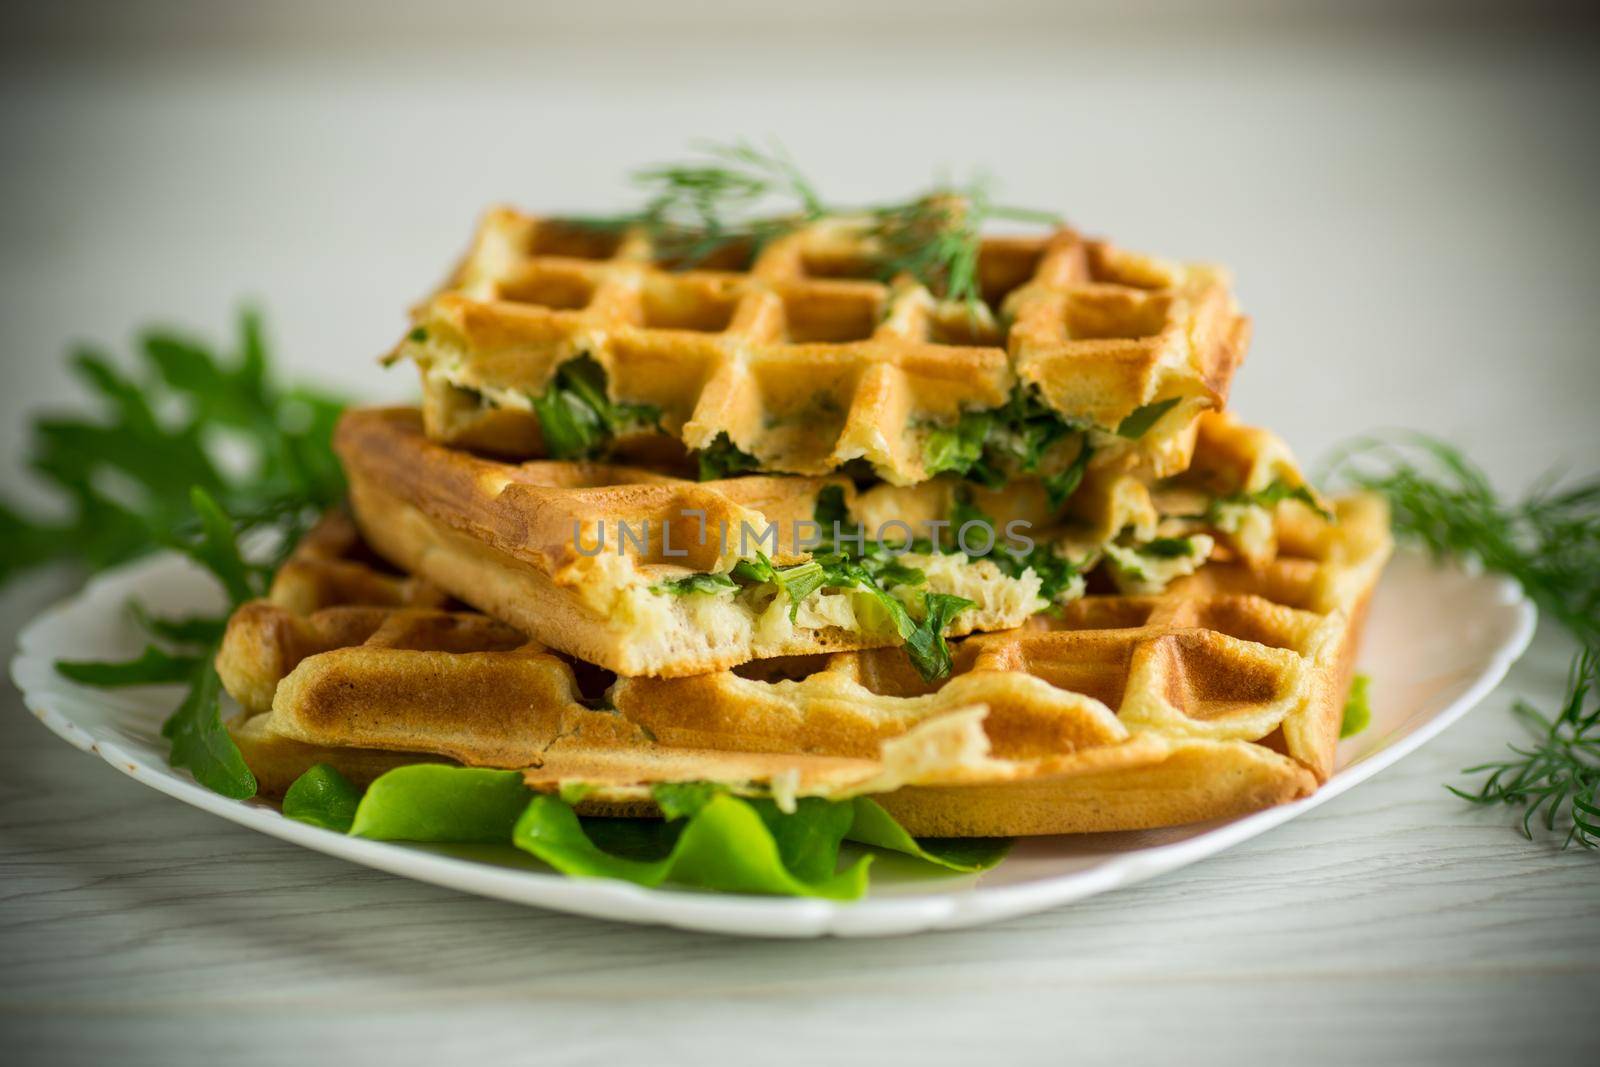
[1407,194]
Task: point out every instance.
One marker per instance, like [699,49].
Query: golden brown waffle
[541,546]
[807,361]
[1219,698]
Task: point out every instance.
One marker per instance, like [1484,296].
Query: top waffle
[803,359]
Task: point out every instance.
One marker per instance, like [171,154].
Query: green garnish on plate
[707,838]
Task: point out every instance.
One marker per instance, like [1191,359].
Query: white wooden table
[1413,224]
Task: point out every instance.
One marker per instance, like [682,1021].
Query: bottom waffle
[1219,697]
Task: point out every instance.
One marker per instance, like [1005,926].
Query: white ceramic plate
[1438,639]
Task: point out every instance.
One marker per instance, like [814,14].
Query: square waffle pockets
[804,359]
[1222,696]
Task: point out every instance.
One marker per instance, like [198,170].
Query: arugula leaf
[201,743]
[1141,419]
[795,582]
[153,667]
[830,510]
[323,797]
[1060,486]
[570,428]
[929,653]
[1357,708]
[697,583]
[217,550]
[576,417]
[147,476]
[957,448]
[889,572]
[1056,573]
[983,446]
[185,630]
[437,802]
[126,474]
[723,459]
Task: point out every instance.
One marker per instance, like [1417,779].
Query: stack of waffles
[767,520]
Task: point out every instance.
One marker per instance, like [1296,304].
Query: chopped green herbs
[1357,708]
[576,417]
[795,582]
[926,644]
[959,448]
[830,510]
[1140,420]
[1549,542]
[1270,497]
[1056,574]
[988,447]
[873,571]
[708,838]
[1167,548]
[723,459]
[698,583]
[1060,486]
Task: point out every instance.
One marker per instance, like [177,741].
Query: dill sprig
[1562,766]
[1549,542]
[935,238]
[741,196]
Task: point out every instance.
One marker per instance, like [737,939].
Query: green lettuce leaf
[725,845]
[437,802]
[707,837]
[323,797]
[1357,708]
[872,825]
